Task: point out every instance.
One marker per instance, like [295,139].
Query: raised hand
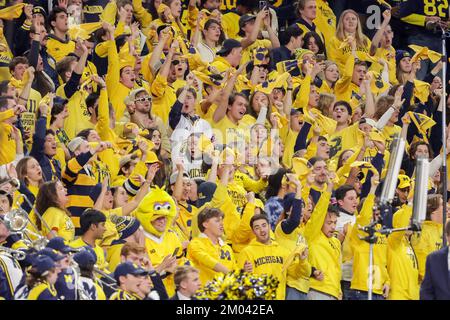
[28,11]
[99,80]
[152,171]
[63,3]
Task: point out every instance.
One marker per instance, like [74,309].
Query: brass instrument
[112,285]
[16,254]
[17,221]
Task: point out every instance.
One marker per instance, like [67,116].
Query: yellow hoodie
[402,261]
[361,253]
[324,252]
[204,255]
[269,259]
[425,242]
[289,241]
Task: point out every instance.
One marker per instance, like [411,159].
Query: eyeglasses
[143,99]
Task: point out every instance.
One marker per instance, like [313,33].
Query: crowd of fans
[149,147]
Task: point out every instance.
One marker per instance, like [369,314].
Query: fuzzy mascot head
[156,212]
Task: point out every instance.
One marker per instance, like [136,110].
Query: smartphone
[320,57]
[174,254]
[263,4]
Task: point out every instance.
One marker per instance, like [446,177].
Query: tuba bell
[16,220]
[16,254]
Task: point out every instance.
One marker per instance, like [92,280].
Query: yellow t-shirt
[343,140]
[159,248]
[58,221]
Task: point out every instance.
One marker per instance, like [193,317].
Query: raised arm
[248,41]
[72,85]
[223,104]
[37,149]
[272,35]
[314,225]
[293,221]
[155,59]
[377,37]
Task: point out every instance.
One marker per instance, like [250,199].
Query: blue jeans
[345,288]
[362,295]
[294,294]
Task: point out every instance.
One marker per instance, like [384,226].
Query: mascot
[156,213]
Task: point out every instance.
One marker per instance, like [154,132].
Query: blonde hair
[325,100]
[361,39]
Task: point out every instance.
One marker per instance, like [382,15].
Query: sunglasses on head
[143,99]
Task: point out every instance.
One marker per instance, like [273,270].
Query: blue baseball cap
[127,268]
[30,256]
[42,264]
[205,192]
[58,244]
[51,253]
[85,257]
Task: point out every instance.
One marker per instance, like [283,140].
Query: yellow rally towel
[384,3]
[267,87]
[423,53]
[421,90]
[125,58]
[259,54]
[288,66]
[301,166]
[209,78]
[422,122]
[300,247]
[12,12]
[364,165]
[84,30]
[326,124]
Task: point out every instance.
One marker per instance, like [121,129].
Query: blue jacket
[49,172]
[436,283]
